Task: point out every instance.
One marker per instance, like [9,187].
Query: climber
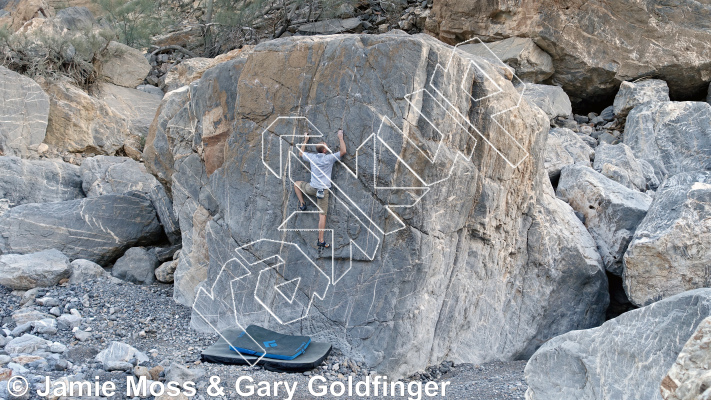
[321,166]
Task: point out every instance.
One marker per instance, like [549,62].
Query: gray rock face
[75,18]
[672,136]
[688,378]
[24,113]
[618,163]
[595,45]
[669,253]
[102,175]
[551,99]
[565,147]
[137,266]
[528,60]
[137,106]
[632,94]
[624,359]
[98,229]
[462,256]
[38,181]
[41,269]
[612,211]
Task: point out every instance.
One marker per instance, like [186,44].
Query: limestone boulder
[632,94]
[124,66]
[24,113]
[75,19]
[612,212]
[530,62]
[137,265]
[137,106]
[551,99]
[41,269]
[673,136]
[617,162]
[595,45]
[690,377]
[84,270]
[669,252]
[98,229]
[38,181]
[166,271]
[565,147]
[624,359]
[454,281]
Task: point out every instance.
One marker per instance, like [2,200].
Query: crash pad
[220,352]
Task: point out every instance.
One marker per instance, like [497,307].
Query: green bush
[135,21]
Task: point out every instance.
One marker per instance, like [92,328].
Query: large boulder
[98,229]
[137,106]
[469,270]
[123,65]
[137,265]
[611,211]
[672,136]
[565,147]
[41,269]
[551,99]
[24,113]
[81,123]
[102,175]
[632,94]
[670,253]
[38,181]
[690,376]
[617,162]
[75,19]
[595,45]
[528,60]
[624,359]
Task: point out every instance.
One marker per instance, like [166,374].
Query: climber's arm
[301,148]
[342,144]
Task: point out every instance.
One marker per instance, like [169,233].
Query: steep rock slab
[595,44]
[97,229]
[632,94]
[454,282]
[624,359]
[617,162]
[124,66]
[612,211]
[551,99]
[565,147]
[528,60]
[24,111]
[102,175]
[689,377]
[669,253]
[38,181]
[41,269]
[674,137]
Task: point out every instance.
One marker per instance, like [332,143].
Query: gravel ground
[147,318]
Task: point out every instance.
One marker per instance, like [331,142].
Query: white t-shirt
[321,168]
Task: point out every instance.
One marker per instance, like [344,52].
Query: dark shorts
[311,191]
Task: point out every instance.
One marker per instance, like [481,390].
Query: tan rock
[124,65]
[690,376]
[18,12]
[192,69]
[165,272]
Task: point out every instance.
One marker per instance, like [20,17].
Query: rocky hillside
[481,215]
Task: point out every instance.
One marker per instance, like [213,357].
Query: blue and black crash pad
[258,341]
[306,356]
